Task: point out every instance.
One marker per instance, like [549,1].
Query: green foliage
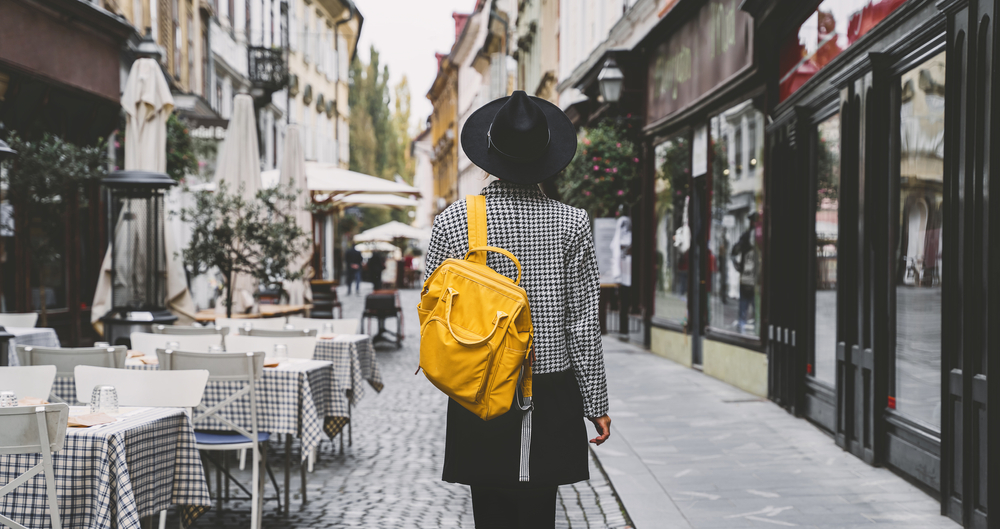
[828,173]
[38,179]
[602,175]
[181,159]
[258,237]
[380,137]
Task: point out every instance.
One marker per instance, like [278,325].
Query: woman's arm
[583,332]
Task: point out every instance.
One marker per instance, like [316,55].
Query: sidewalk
[690,451]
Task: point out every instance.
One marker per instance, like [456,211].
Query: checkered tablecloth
[300,397]
[353,360]
[112,475]
[40,336]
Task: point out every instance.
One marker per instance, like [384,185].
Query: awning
[375,200]
[391,231]
[328,179]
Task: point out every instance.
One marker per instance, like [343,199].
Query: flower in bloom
[596,167]
[596,158]
[586,142]
[621,192]
[619,145]
[614,169]
[587,193]
[636,160]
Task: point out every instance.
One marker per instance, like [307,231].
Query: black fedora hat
[519,138]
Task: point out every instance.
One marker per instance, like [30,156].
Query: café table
[298,397]
[266,311]
[114,475]
[39,336]
[354,361]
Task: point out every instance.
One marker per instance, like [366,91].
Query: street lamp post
[610,81]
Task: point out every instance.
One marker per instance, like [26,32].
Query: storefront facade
[704,201]
[878,323]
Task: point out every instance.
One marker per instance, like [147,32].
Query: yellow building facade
[444,133]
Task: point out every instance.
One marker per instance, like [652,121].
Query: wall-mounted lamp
[610,81]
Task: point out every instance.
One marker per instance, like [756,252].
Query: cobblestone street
[391,476]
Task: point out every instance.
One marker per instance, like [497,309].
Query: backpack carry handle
[502,251]
[501,315]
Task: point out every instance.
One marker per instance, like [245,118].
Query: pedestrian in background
[354,260]
[376,264]
[523,141]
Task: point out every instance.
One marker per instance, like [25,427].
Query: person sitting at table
[353,259]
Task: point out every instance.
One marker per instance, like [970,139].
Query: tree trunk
[229,294]
[41,299]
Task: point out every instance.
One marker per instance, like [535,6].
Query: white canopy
[390,231]
[375,200]
[329,179]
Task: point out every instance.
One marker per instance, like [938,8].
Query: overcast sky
[406,34]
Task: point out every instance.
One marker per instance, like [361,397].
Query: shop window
[673,235]
[735,238]
[826,228]
[918,256]
[7,270]
[832,28]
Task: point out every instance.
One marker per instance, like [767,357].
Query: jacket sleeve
[438,249]
[586,352]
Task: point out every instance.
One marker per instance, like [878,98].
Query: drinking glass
[104,399]
[173,346]
[289,327]
[327,328]
[8,399]
[280,352]
[102,344]
[215,349]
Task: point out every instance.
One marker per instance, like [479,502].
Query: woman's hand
[603,426]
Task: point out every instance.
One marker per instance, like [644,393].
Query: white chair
[298,347]
[234,324]
[229,367]
[283,333]
[67,358]
[344,326]
[32,430]
[192,331]
[10,319]
[148,343]
[28,381]
[154,389]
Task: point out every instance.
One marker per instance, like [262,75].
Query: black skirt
[487,453]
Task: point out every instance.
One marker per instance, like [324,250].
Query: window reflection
[673,235]
[734,247]
[832,28]
[918,249]
[827,225]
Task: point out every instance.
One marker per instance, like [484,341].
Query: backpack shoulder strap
[475,211]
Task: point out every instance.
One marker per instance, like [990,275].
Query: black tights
[496,508]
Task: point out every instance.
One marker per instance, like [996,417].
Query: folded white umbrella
[332,180]
[239,166]
[147,103]
[293,174]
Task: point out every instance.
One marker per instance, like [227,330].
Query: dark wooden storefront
[910,234]
[60,62]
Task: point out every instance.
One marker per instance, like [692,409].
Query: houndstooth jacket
[559,272]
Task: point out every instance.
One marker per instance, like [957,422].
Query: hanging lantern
[610,81]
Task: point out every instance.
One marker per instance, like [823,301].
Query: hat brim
[562,145]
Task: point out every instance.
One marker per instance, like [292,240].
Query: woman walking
[523,141]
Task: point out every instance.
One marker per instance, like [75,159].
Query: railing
[268,70]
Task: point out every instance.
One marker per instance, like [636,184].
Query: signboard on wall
[604,233]
[709,49]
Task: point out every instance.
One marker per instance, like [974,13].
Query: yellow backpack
[475,327]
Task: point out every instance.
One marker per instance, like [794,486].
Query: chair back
[148,343]
[247,367]
[220,366]
[28,381]
[235,324]
[342,326]
[284,333]
[298,346]
[26,319]
[182,330]
[157,389]
[67,358]
[28,429]
[381,303]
